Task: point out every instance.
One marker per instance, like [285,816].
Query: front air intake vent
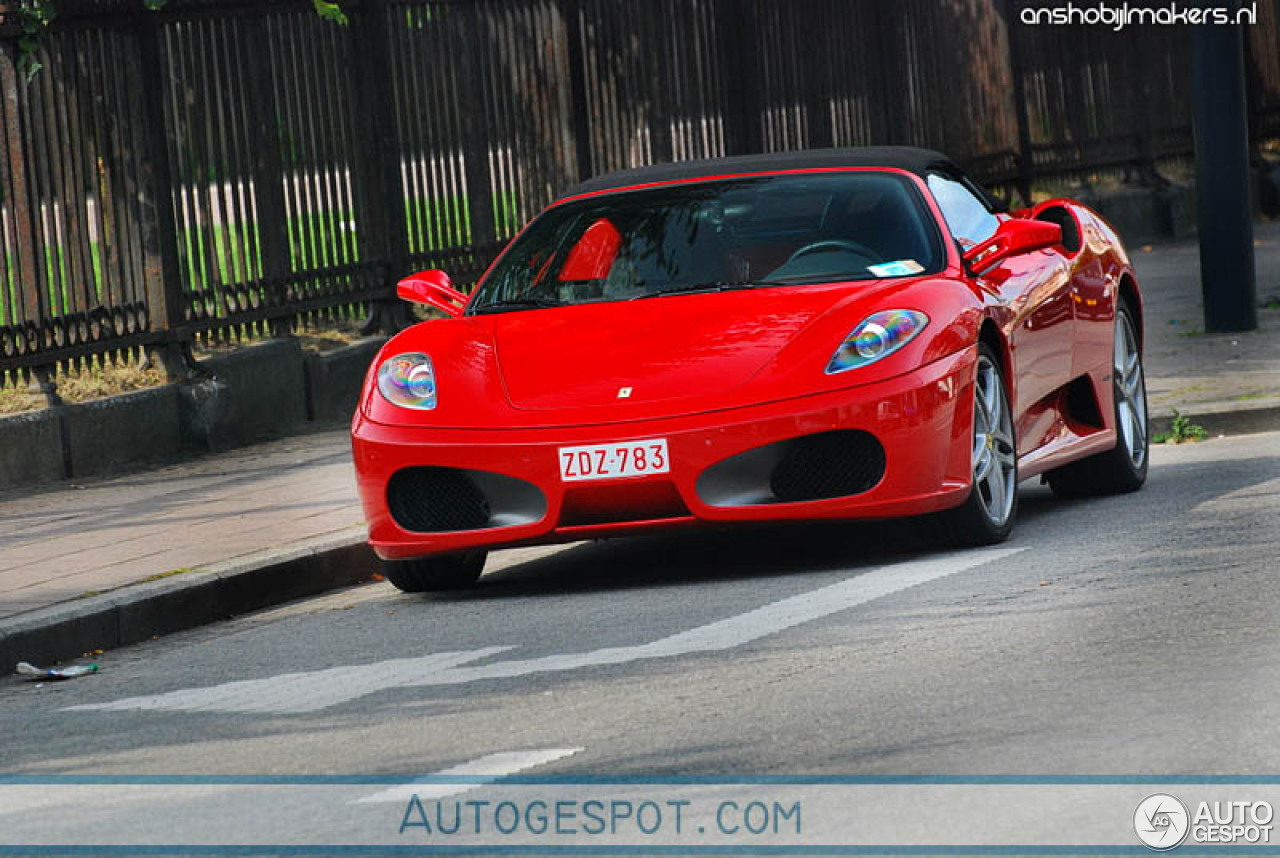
[436,500]
[828,465]
[822,466]
[431,499]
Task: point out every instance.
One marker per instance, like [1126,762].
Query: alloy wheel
[994,456]
[1131,391]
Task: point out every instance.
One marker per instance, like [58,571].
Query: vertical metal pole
[14,149]
[268,167]
[481,134]
[1224,207]
[893,113]
[737,26]
[157,225]
[571,10]
[1026,162]
[384,232]
[1143,58]
[816,77]
[1253,97]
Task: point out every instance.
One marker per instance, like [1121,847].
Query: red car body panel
[734,371]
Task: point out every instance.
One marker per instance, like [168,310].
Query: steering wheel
[835,244]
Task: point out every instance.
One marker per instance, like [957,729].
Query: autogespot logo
[1161,821]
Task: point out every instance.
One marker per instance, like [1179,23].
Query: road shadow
[744,552]
[700,556]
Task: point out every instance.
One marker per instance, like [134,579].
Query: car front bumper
[922,420]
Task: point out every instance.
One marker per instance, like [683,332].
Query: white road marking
[308,691]
[494,766]
[311,691]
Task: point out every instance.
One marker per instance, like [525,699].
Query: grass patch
[329,338]
[1181,431]
[331,335]
[160,576]
[98,379]
[15,400]
[107,379]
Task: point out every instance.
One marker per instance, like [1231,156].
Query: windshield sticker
[897,268]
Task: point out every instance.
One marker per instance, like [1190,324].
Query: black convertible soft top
[914,160]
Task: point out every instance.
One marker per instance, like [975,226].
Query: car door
[1035,288]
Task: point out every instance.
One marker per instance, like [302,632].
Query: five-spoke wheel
[1131,391]
[995,466]
[987,514]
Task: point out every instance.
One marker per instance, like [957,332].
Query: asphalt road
[1131,634]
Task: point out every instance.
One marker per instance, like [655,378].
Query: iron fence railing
[225,165]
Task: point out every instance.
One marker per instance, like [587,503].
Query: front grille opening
[435,500]
[828,465]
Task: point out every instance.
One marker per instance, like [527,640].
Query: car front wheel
[441,572]
[986,517]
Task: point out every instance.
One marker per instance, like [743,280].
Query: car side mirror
[433,288]
[1014,237]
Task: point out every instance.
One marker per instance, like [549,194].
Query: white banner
[630,815]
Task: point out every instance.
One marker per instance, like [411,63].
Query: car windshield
[776,230]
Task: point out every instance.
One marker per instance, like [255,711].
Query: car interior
[771,232]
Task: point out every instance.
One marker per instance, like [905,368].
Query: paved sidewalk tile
[1185,366]
[68,540]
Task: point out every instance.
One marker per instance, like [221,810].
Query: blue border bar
[635,780]
[245,850]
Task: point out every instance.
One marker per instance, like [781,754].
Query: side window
[966,215]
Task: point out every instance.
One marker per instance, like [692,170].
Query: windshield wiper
[716,286]
[517,304]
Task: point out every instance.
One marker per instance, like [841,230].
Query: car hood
[653,350]
[678,355]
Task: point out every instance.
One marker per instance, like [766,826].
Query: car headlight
[409,381]
[879,335]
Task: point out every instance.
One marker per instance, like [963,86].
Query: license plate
[606,461]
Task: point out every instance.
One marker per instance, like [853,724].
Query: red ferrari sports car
[845,333]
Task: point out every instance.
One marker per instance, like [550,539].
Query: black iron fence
[222,166]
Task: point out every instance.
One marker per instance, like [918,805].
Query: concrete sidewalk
[67,549]
[71,541]
[1225,380]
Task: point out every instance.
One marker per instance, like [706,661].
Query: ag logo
[1161,821]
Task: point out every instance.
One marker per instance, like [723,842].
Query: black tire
[974,523]
[1123,468]
[441,572]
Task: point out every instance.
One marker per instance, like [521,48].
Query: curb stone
[1224,418]
[204,595]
